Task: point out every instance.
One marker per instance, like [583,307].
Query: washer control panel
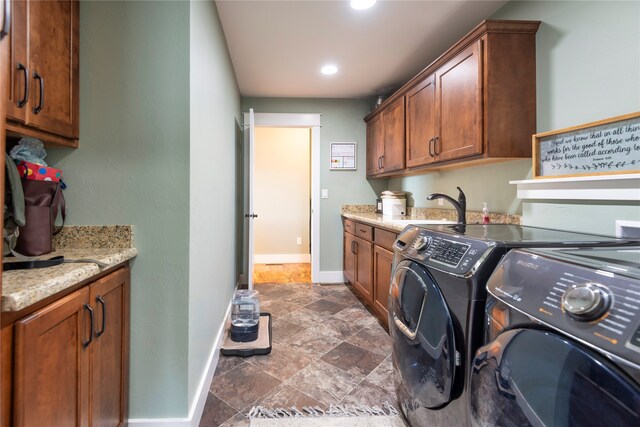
[451,254]
[597,307]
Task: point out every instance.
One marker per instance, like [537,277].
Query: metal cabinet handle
[38,108]
[435,142]
[353,251]
[25,92]
[355,247]
[88,308]
[100,301]
[381,162]
[431,153]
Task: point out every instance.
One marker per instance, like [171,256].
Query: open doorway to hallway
[282,198]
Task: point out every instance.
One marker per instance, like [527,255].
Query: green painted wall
[215,118]
[588,63]
[341,122]
[588,68]
[147,147]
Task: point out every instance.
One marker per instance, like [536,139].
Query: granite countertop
[368,215]
[22,288]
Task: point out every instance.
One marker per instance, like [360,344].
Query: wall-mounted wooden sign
[609,146]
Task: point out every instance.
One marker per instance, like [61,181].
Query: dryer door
[530,377]
[424,350]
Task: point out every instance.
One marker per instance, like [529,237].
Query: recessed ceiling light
[329,70]
[362,4]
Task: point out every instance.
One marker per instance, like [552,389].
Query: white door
[250,215]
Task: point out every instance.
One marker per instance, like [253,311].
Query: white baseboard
[197,406]
[281,258]
[327,277]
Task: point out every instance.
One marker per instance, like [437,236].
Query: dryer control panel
[599,308]
[458,255]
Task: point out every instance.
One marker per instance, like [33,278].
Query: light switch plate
[325,193]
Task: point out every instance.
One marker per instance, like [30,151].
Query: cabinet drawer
[385,238]
[349,226]
[364,231]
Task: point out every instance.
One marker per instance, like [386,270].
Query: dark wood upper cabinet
[375,145]
[385,140]
[393,116]
[421,123]
[42,97]
[474,104]
[459,106]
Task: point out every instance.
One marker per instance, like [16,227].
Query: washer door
[423,339]
[531,377]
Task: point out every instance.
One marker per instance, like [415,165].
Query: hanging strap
[26,262]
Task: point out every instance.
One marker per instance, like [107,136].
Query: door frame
[312,122]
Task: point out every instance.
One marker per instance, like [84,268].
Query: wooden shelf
[600,187]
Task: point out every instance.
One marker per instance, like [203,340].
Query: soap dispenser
[485,213]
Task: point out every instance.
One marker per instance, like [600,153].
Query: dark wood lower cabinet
[364,270]
[71,359]
[367,265]
[382,265]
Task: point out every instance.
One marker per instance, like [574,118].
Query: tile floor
[327,349]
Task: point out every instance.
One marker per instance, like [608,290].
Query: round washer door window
[531,377]
[423,336]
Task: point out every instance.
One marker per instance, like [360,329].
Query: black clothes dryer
[562,341]
[436,309]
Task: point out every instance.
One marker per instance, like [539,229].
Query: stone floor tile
[338,328]
[370,394]
[372,338]
[356,315]
[326,307]
[240,420]
[324,382]
[227,363]
[304,317]
[281,330]
[215,412]
[313,343]
[285,396]
[383,375]
[243,385]
[352,359]
[345,298]
[283,361]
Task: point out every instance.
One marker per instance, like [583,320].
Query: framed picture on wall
[343,156]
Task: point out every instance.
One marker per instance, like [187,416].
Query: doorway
[282,200]
[310,123]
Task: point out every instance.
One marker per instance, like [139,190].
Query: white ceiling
[278,47]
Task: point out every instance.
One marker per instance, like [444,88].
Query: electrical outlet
[299,241]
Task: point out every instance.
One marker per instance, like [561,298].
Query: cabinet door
[375,145]
[364,271]
[51,379]
[349,263]
[421,116]
[393,155]
[110,360]
[382,264]
[15,64]
[459,105]
[53,59]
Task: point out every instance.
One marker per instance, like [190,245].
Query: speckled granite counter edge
[367,214]
[22,288]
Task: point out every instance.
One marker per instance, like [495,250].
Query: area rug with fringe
[335,415]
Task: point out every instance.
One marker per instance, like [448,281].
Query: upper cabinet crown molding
[475,104]
[42,64]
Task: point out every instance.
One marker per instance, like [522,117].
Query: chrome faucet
[460,204]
